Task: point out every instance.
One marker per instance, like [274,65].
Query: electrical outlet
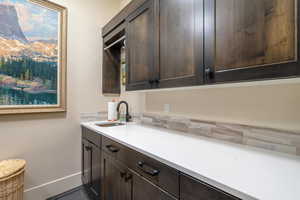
[167,108]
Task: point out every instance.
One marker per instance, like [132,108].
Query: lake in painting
[17,97]
[28,54]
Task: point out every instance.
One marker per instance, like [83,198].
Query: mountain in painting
[40,51]
[10,27]
[14,44]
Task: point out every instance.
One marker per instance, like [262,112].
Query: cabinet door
[181,43]
[140,47]
[250,40]
[86,163]
[117,185]
[95,185]
[192,189]
[145,190]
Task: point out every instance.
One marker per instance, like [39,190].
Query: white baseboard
[53,188]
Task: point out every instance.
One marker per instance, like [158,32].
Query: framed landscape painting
[32,56]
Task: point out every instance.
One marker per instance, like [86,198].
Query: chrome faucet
[128,117]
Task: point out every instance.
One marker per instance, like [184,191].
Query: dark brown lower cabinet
[112,171]
[121,183]
[86,163]
[117,183]
[157,173]
[95,185]
[192,189]
[91,168]
[145,190]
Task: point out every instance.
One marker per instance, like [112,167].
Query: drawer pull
[147,169]
[112,149]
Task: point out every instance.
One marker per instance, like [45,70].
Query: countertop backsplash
[270,139]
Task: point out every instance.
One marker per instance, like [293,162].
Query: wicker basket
[12,186]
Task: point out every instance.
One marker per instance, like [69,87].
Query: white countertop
[242,171]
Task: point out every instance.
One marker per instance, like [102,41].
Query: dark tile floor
[75,194]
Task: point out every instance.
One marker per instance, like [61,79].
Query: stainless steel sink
[112,124]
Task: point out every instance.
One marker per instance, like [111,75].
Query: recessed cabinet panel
[115,184]
[96,170]
[91,162]
[251,40]
[86,163]
[145,190]
[254,33]
[140,58]
[181,42]
[140,47]
[192,189]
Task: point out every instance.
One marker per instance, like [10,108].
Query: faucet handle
[128,117]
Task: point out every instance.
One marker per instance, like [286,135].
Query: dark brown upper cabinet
[180,43]
[140,47]
[113,34]
[176,43]
[165,45]
[111,71]
[251,40]
[112,45]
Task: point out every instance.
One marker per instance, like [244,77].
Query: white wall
[275,105]
[124,3]
[50,143]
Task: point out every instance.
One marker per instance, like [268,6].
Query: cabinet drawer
[144,189]
[156,172]
[192,189]
[91,136]
[112,148]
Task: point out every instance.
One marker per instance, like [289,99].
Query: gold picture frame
[61,105]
